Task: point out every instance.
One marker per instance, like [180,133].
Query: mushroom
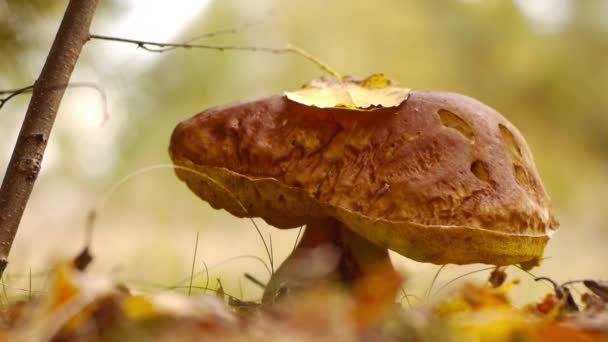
[442,178]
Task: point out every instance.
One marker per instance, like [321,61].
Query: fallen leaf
[475,298]
[548,304]
[352,93]
[83,259]
[598,288]
[64,289]
[570,303]
[498,277]
[72,300]
[491,324]
[594,303]
[558,333]
[140,307]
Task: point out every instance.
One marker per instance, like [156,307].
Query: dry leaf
[64,289]
[83,259]
[350,93]
[600,289]
[73,299]
[498,277]
[562,333]
[476,298]
[83,307]
[140,307]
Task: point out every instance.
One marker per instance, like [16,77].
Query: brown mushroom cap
[442,178]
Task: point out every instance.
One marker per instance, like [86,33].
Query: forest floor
[80,306]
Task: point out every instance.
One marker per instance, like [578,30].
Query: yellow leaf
[71,302]
[140,307]
[352,93]
[64,289]
[492,324]
[476,298]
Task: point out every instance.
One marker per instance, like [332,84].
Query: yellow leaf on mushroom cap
[350,93]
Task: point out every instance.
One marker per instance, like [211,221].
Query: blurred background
[542,63]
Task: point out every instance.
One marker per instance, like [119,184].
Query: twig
[208,35]
[24,166]
[313,59]
[104,98]
[166,46]
[18,91]
[556,287]
[532,275]
[14,92]
[146,45]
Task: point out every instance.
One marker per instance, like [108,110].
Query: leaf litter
[84,307]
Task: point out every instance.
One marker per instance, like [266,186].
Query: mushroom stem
[329,253]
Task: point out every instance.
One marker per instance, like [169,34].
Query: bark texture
[26,159]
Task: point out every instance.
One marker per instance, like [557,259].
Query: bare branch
[24,166]
[14,92]
[102,93]
[162,47]
[209,35]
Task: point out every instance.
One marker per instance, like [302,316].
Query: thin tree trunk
[25,162]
